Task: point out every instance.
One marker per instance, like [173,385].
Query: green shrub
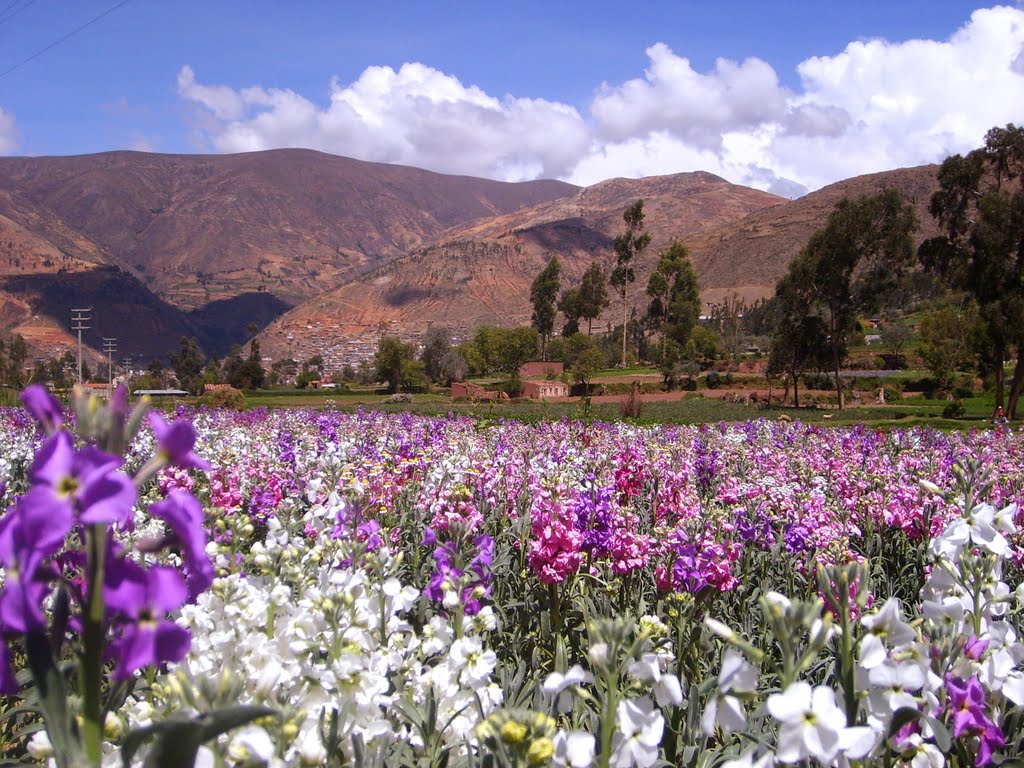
[954,410]
[224,398]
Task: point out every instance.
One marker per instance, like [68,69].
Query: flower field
[311,588]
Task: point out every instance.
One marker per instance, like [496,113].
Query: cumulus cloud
[416,116]
[8,133]
[875,105]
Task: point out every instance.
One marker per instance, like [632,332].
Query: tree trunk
[796,392]
[624,320]
[590,322]
[835,359]
[1000,384]
[544,347]
[1015,385]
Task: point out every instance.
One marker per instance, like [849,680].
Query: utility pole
[110,347]
[79,318]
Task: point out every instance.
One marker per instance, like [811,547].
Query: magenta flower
[43,406]
[144,598]
[85,481]
[176,442]
[184,516]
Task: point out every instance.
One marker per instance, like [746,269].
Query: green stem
[92,645]
[611,705]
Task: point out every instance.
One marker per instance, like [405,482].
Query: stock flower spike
[43,406]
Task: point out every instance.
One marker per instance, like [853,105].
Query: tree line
[863,256]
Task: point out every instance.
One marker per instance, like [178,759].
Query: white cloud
[416,116]
[8,133]
[873,106]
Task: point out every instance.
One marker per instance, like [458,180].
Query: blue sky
[785,96]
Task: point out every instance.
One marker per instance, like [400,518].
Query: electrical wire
[60,40]
[7,13]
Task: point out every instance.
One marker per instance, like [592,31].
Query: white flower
[915,752]
[251,746]
[558,684]
[746,760]
[723,709]
[887,624]
[1003,519]
[311,747]
[812,723]
[475,663]
[39,745]
[575,749]
[666,687]
[639,734]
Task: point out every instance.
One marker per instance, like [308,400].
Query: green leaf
[224,720]
[178,740]
[51,693]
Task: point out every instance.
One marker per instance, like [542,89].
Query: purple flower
[974,648]
[144,598]
[966,702]
[43,406]
[176,442]
[184,516]
[369,532]
[84,481]
[30,531]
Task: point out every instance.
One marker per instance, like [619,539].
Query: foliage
[188,363]
[675,295]
[437,345]
[628,246]
[946,340]
[980,210]
[396,365]
[543,295]
[864,247]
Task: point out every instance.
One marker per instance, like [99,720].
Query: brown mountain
[481,272]
[750,255]
[220,233]
[741,243]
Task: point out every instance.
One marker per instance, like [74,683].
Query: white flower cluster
[963,646]
[325,640]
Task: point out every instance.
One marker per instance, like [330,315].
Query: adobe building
[545,388]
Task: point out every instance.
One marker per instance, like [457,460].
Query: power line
[60,40]
[5,16]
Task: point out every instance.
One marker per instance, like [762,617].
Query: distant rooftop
[160,392]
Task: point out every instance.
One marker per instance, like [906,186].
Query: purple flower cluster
[967,705]
[460,567]
[83,489]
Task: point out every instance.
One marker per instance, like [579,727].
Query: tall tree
[396,364]
[980,209]
[187,362]
[675,295]
[593,295]
[799,337]
[628,246]
[437,343]
[864,247]
[570,304]
[543,295]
